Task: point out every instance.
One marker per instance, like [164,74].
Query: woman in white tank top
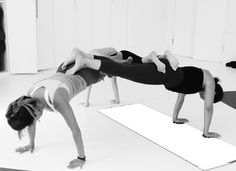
[54,94]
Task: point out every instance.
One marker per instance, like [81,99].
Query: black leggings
[142,73]
[136,59]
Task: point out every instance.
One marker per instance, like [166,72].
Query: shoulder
[208,78]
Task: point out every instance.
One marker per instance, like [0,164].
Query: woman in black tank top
[185,80]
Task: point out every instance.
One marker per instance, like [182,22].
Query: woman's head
[218,91]
[23,112]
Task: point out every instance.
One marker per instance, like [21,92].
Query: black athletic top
[191,83]
[89,75]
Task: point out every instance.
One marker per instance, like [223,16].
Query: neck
[39,94]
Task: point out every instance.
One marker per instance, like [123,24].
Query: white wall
[201,28]
[64,29]
[102,23]
[209,29]
[184,27]
[230,33]
[45,35]
[84,22]
[140,26]
[147,25]
[21,25]
[119,19]
[136,25]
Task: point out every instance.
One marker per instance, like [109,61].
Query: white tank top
[73,84]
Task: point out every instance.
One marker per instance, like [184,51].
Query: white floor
[110,146]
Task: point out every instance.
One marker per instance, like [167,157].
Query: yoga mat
[230,98]
[182,140]
[8,169]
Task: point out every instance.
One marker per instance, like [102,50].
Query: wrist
[81,158]
[205,132]
[175,117]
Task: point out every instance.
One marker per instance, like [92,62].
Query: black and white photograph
[118,85]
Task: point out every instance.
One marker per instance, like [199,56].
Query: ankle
[85,62]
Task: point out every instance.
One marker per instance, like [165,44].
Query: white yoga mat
[183,140]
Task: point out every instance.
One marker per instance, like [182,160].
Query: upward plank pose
[54,94]
[185,80]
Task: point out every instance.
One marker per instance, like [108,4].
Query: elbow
[209,109]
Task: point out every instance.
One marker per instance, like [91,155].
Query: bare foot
[124,61]
[79,64]
[174,63]
[129,60]
[71,58]
[160,65]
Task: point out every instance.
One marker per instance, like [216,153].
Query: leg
[87,96]
[115,90]
[152,57]
[142,73]
[72,58]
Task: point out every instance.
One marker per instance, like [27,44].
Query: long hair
[20,113]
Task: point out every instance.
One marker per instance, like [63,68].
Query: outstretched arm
[208,105]
[178,106]
[30,146]
[62,105]
[115,90]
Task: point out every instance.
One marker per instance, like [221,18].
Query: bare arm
[31,145]
[32,132]
[62,105]
[115,90]
[208,107]
[178,106]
